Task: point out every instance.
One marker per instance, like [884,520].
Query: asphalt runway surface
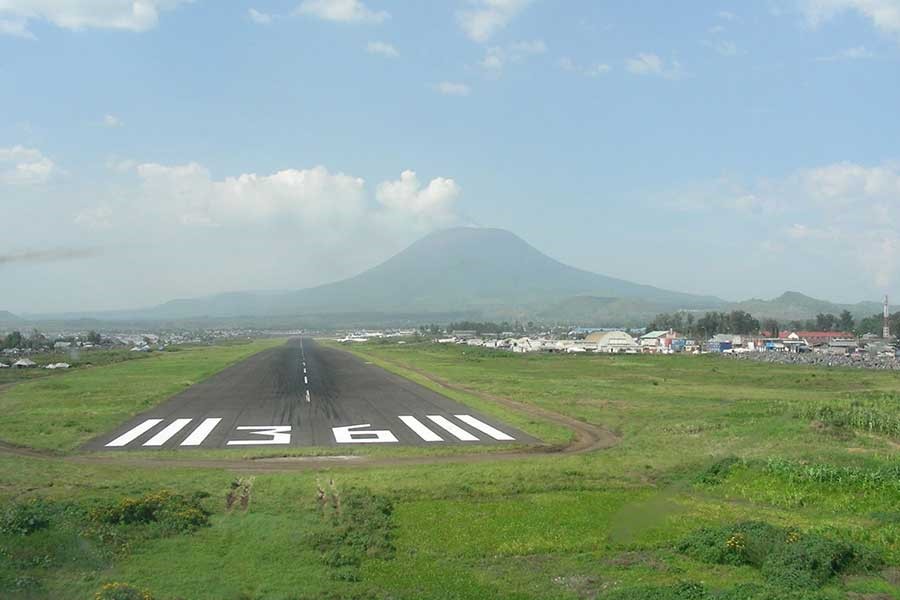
[306,394]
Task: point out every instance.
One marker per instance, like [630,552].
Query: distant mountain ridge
[487,270]
[463,273]
[9,319]
[796,306]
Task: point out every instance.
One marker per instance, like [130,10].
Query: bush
[121,591]
[173,513]
[717,471]
[788,559]
[27,517]
[361,525]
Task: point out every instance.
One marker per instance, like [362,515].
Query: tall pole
[886,332]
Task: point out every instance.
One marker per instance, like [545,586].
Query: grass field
[807,456]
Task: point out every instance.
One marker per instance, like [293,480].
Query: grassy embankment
[706,443]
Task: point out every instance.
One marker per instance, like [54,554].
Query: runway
[305,394]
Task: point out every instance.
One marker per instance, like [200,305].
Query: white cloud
[726,15]
[258,17]
[722,47]
[450,88]
[855,53]
[851,184]
[840,210]
[651,64]
[112,121]
[433,204]
[99,217]
[24,166]
[341,11]
[485,17]
[382,49]
[884,14]
[129,15]
[16,28]
[595,70]
[496,57]
[188,195]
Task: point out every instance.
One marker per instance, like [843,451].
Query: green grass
[63,411]
[76,358]
[601,524]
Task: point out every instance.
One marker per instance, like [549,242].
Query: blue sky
[159,149]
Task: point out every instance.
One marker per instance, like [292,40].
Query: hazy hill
[797,306]
[490,271]
[462,273]
[7,319]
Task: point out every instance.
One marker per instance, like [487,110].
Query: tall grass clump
[872,412]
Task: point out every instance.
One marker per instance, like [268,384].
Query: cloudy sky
[156,149]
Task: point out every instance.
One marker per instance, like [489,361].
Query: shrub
[360,526]
[27,517]
[717,471]
[121,591]
[788,559]
[173,513]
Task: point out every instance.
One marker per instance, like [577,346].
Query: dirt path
[586,438]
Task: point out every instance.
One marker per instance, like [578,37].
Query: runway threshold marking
[134,433]
[452,428]
[201,432]
[420,429]
[484,428]
[170,430]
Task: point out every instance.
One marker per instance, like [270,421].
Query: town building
[612,342]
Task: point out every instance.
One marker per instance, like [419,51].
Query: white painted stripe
[420,429]
[203,430]
[171,429]
[134,433]
[306,381]
[484,428]
[453,429]
[307,395]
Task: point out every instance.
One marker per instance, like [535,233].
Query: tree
[93,337]
[771,325]
[14,340]
[825,322]
[845,321]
